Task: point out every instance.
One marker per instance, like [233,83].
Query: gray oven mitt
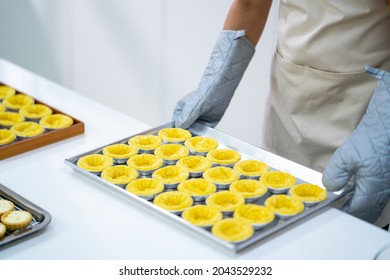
[366,154]
[228,62]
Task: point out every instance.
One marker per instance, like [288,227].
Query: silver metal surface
[247,151]
[41,218]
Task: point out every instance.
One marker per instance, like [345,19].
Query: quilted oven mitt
[228,62]
[366,154]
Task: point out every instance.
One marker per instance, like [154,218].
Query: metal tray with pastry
[229,191]
[19,217]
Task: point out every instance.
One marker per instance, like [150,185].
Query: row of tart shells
[11,219]
[21,117]
[251,180]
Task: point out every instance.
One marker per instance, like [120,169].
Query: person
[316,112]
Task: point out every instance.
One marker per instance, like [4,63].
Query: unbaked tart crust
[254,214]
[27,129]
[56,121]
[145,162]
[145,142]
[233,230]
[251,168]
[35,111]
[174,135]
[224,156]
[119,174]
[202,215]
[201,144]
[283,205]
[6,136]
[17,101]
[119,151]
[173,201]
[94,162]
[308,193]
[145,187]
[171,151]
[6,91]
[225,200]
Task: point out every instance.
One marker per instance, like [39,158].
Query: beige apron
[319,90]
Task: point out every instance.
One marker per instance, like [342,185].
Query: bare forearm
[250,15]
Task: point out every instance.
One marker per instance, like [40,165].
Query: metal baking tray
[302,174]
[41,218]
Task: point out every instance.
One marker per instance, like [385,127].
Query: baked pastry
[257,215]
[202,215]
[171,175]
[221,176]
[146,188]
[195,165]
[251,169]
[145,143]
[309,194]
[3,230]
[56,121]
[174,135]
[6,91]
[8,119]
[171,153]
[175,202]
[16,219]
[145,164]
[17,101]
[278,181]
[284,206]
[233,230]
[198,188]
[35,112]
[120,153]
[6,137]
[249,189]
[6,206]
[27,129]
[224,157]
[94,163]
[225,201]
[201,145]
[119,174]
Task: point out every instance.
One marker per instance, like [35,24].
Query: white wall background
[138,57]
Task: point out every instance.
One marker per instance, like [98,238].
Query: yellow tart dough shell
[233,230]
[174,135]
[202,215]
[95,163]
[6,137]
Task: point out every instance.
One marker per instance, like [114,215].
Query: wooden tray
[48,137]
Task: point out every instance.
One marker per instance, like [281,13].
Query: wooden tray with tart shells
[48,137]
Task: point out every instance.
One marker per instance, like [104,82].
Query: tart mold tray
[41,218]
[247,151]
[48,137]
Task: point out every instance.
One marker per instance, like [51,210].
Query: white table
[89,222]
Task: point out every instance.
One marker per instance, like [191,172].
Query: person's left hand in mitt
[366,155]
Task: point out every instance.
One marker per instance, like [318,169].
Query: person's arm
[231,55]
[248,15]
